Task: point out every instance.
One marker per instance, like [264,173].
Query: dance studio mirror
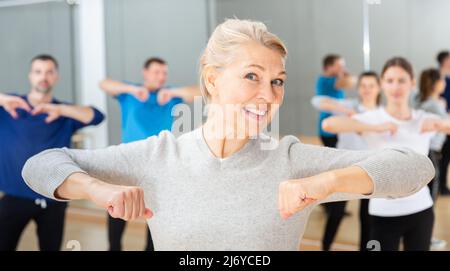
[114,38]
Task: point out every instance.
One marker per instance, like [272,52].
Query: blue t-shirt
[446,93]
[26,136]
[143,119]
[325,86]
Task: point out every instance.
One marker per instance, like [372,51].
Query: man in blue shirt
[332,83]
[443,59]
[146,111]
[30,124]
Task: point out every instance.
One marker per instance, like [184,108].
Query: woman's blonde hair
[229,36]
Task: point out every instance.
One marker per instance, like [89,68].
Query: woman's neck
[222,143]
[400,111]
[369,104]
[435,96]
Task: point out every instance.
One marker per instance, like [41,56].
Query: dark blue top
[446,93]
[325,86]
[26,136]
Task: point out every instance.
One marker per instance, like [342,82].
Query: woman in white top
[369,93]
[412,217]
[431,86]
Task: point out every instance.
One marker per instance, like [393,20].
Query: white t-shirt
[408,135]
[352,141]
[439,108]
[346,141]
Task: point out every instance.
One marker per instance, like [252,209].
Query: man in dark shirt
[30,124]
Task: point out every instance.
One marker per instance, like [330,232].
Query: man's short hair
[441,56]
[45,57]
[152,60]
[329,60]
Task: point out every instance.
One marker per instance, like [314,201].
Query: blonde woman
[210,189]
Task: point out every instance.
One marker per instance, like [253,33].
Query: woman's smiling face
[248,91]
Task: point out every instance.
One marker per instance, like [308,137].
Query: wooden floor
[87,226]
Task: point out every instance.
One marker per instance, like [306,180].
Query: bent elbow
[429,170]
[421,170]
[28,169]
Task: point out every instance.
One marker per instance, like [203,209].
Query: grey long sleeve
[197,199]
[395,172]
[124,164]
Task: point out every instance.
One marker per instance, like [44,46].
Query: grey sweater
[201,202]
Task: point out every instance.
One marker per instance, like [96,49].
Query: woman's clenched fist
[296,195]
[125,202]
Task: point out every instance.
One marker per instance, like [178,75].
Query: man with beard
[30,124]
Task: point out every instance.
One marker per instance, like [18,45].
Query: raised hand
[52,110]
[390,127]
[350,112]
[165,95]
[296,195]
[141,93]
[124,202]
[431,125]
[11,103]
